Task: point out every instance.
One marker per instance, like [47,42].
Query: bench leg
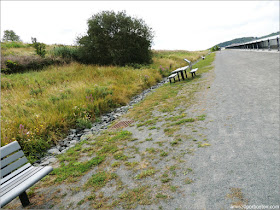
[182,74]
[178,76]
[170,80]
[24,199]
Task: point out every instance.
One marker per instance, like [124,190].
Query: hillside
[244,39]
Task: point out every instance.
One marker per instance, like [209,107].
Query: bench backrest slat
[11,158]
[10,168]
[9,149]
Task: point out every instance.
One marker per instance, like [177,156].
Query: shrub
[39,47]
[69,53]
[115,39]
[19,64]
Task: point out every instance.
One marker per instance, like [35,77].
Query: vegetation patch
[75,169]
[145,173]
[100,179]
[134,197]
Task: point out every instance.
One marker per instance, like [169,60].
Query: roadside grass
[38,108]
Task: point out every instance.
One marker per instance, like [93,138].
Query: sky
[177,25]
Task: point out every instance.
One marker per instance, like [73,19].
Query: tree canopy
[10,35]
[116,38]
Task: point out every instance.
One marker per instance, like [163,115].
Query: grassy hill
[244,39]
[39,107]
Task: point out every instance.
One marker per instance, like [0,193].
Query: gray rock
[54,151]
[73,142]
[45,163]
[52,160]
[73,131]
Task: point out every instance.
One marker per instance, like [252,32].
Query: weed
[120,156]
[188,181]
[165,180]
[100,179]
[149,139]
[151,150]
[81,202]
[203,145]
[138,196]
[116,164]
[163,154]
[75,169]
[161,196]
[183,121]
[201,117]
[145,173]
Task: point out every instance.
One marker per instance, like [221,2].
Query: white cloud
[188,25]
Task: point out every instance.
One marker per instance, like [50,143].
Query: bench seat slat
[16,172]
[23,186]
[8,186]
[9,149]
[10,168]
[172,75]
[11,158]
[194,70]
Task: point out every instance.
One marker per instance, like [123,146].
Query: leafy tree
[10,35]
[116,38]
[39,47]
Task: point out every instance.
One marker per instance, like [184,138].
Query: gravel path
[242,165]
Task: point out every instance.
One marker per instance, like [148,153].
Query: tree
[10,35]
[116,38]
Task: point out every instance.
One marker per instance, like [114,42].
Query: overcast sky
[185,25]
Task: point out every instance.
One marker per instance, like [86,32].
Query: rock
[86,130]
[54,151]
[73,131]
[45,163]
[73,142]
[84,137]
[52,160]
[70,137]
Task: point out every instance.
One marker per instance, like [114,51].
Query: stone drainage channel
[76,135]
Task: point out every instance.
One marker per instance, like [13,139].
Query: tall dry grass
[38,108]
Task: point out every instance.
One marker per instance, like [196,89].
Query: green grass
[75,169]
[145,173]
[100,179]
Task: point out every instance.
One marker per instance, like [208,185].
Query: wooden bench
[17,175]
[193,71]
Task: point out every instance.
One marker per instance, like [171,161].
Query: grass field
[38,108]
